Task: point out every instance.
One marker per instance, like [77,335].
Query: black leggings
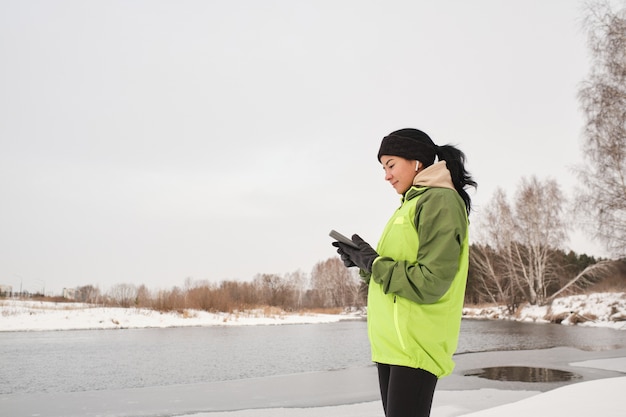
[406,392]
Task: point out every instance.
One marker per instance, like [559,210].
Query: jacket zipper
[396,323]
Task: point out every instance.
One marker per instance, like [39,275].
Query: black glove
[363,257]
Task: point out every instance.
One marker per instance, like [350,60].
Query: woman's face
[399,172]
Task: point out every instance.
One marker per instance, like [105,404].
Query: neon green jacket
[417,284]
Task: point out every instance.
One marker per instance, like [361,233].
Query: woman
[418,272]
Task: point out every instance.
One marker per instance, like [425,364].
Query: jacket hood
[436,175]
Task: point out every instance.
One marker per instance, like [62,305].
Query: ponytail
[455,162]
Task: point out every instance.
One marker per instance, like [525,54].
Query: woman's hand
[363,257]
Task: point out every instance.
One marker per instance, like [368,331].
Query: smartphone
[343,239]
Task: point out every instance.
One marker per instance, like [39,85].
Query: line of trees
[498,275]
[329,286]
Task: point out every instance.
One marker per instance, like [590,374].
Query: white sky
[151,141]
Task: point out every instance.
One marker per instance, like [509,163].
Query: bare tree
[124,295]
[540,229]
[602,197]
[88,294]
[273,289]
[495,264]
[144,298]
[490,285]
[523,237]
[334,284]
[298,282]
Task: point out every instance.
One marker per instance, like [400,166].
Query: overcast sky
[145,142]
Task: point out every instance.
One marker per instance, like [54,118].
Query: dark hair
[416,145]
[455,161]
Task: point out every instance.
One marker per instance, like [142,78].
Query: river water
[73,361]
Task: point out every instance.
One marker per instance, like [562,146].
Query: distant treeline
[331,285]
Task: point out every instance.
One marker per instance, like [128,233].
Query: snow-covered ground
[597,397]
[23,315]
[598,309]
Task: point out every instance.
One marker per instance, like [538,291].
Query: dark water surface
[524,374]
[69,361]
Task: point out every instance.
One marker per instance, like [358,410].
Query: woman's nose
[388,176]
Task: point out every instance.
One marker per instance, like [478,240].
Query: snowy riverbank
[24,315]
[598,309]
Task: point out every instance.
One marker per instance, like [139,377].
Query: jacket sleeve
[441,226]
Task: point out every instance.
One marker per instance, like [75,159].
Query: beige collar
[436,175]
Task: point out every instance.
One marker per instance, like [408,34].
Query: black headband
[418,149]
